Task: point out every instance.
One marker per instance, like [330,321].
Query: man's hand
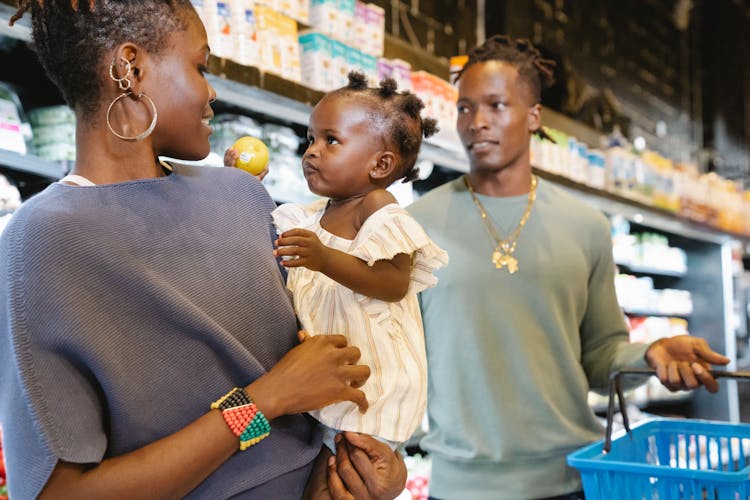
[683,362]
[365,469]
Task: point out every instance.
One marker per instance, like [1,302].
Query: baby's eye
[310,139]
[203,69]
[332,140]
[498,105]
[462,108]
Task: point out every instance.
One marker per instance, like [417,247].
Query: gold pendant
[501,260]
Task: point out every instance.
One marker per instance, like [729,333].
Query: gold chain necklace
[502,256]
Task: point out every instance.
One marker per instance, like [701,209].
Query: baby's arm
[385,280]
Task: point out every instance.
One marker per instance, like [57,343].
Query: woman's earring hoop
[143,134]
[123,82]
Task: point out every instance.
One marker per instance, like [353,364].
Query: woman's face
[496,116]
[182,95]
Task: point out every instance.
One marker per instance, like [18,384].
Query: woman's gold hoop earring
[143,134]
[123,82]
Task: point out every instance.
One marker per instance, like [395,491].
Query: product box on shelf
[13,132]
[324,16]
[401,72]
[316,61]
[296,9]
[369,28]
[456,63]
[340,63]
[272,4]
[370,67]
[220,25]
[353,59]
[346,22]
[288,46]
[278,44]
[375,30]
[246,32]
[439,97]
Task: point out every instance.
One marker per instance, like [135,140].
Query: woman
[136,294]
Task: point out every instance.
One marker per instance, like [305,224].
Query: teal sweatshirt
[512,356]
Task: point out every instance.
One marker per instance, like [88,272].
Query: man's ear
[384,165]
[535,117]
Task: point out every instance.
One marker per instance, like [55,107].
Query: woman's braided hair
[397,115]
[536,71]
[72,36]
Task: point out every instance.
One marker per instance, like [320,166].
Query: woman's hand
[322,370]
[365,468]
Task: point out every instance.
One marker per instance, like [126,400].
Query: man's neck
[508,181]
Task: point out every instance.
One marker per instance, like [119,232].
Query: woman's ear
[385,164]
[127,63]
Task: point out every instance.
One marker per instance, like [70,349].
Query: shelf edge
[30,164]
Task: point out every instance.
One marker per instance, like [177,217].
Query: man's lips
[481,145]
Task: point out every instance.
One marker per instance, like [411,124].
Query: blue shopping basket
[666,459]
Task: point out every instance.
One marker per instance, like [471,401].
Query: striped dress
[389,334]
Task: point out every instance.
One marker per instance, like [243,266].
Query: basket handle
[615,386]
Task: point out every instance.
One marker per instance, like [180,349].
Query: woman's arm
[316,373]
[385,280]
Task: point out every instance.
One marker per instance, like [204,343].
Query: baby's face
[343,148]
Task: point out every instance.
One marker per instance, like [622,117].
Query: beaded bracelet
[244,419]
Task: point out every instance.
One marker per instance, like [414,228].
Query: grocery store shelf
[261,101]
[30,164]
[653,271]
[641,213]
[268,94]
[648,312]
[254,91]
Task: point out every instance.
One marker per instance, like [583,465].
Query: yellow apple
[253,154]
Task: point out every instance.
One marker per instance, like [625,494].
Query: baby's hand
[230,158]
[300,247]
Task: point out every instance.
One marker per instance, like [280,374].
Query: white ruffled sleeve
[291,215]
[392,230]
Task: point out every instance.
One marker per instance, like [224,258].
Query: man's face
[496,115]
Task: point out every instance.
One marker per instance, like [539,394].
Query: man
[524,320]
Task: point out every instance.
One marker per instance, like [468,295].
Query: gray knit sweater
[126,309]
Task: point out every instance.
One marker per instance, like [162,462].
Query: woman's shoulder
[232,185]
[44,208]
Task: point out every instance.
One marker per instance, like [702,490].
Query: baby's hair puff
[71,38]
[397,115]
